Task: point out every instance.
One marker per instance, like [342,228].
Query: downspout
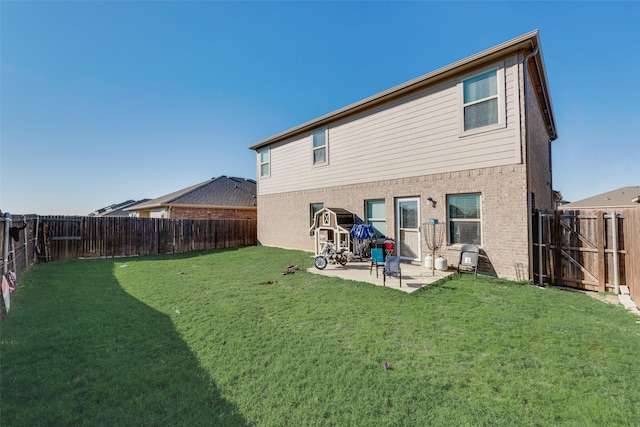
[526,145]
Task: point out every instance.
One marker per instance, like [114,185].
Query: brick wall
[211,213]
[539,152]
[284,219]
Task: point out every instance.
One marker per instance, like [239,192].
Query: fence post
[5,243]
[26,243]
[540,260]
[601,237]
[557,254]
[36,242]
[614,237]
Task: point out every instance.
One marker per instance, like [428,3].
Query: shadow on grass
[77,349]
[439,286]
[176,256]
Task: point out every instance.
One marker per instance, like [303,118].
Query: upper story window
[464,218]
[264,160]
[320,147]
[481,100]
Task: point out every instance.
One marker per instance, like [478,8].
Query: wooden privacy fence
[18,245]
[591,250]
[69,237]
[48,238]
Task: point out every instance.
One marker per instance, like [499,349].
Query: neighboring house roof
[117,209]
[529,41]
[223,191]
[621,198]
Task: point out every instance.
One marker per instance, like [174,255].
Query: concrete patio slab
[414,276]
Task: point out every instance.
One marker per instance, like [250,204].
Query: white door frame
[417,229]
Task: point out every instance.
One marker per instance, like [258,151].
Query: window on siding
[314,207]
[320,147]
[376,216]
[158,213]
[264,157]
[464,218]
[480,101]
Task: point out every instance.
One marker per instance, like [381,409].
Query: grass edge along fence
[29,239]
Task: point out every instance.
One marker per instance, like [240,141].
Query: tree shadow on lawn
[77,349]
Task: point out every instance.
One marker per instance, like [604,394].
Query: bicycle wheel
[320,262]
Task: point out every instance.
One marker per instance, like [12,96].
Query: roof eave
[546,95]
[591,207]
[193,206]
[146,207]
[189,206]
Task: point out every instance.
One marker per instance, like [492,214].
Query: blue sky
[107,101]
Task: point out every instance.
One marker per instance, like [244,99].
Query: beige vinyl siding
[413,136]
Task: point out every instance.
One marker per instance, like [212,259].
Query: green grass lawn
[203,339]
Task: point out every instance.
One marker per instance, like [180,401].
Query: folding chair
[392,269]
[377,259]
[469,258]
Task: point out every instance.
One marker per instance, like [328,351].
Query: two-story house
[468,144]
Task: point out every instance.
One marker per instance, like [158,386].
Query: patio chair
[469,259]
[392,269]
[377,259]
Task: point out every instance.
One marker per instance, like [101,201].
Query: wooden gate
[632,255]
[581,249]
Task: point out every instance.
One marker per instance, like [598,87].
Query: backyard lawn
[223,338]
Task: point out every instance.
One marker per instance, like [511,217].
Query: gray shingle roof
[220,191]
[117,209]
[620,198]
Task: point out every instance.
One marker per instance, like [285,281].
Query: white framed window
[313,209]
[464,217]
[483,101]
[264,161]
[158,213]
[320,152]
[376,216]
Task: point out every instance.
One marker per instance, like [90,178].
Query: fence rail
[27,240]
[591,250]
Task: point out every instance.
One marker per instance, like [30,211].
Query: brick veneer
[284,219]
[211,213]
